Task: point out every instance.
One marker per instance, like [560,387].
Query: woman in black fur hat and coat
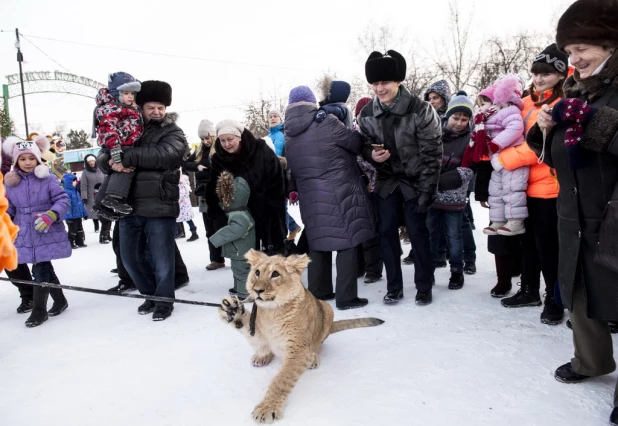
[240,153]
[581,143]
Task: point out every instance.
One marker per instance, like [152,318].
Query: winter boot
[294,233]
[145,308]
[512,227]
[552,314]
[526,296]
[180,231]
[104,212]
[352,304]
[161,313]
[501,289]
[96,225]
[60,302]
[613,417]
[39,310]
[457,281]
[25,306]
[493,228]
[215,265]
[423,297]
[193,236]
[470,268]
[410,259]
[118,205]
[439,264]
[565,374]
[122,288]
[393,296]
[104,238]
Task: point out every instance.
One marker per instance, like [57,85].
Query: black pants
[416,224]
[181,275]
[96,225]
[213,226]
[116,184]
[106,226]
[320,274]
[370,258]
[540,244]
[22,273]
[76,231]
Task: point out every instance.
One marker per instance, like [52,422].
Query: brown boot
[215,265]
[294,233]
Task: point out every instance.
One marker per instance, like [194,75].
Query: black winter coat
[261,168]
[201,177]
[334,203]
[412,132]
[585,192]
[157,159]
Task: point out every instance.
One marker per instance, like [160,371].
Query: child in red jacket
[119,125]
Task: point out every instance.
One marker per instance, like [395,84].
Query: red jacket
[117,124]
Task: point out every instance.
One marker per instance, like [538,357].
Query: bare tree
[61,128]
[256,113]
[7,127]
[419,76]
[456,58]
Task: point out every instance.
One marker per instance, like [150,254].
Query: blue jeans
[289,221]
[444,222]
[469,245]
[147,248]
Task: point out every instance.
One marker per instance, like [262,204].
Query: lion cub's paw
[267,412]
[314,361]
[231,309]
[261,360]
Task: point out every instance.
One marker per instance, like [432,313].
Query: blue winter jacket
[276,135]
[77,209]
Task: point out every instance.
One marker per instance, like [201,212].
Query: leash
[107,293]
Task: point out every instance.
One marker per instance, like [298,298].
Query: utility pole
[20,59]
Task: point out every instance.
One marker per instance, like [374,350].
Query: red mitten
[493,147]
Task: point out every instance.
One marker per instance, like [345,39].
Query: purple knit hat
[301,94]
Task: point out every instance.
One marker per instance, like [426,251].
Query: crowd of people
[542,157]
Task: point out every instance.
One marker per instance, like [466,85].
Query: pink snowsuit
[507,188]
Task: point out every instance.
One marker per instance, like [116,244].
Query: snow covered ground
[463,360]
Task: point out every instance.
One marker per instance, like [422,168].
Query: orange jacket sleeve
[518,156]
[8,233]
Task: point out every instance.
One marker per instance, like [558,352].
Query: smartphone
[377,147]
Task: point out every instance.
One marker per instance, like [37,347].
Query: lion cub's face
[274,280]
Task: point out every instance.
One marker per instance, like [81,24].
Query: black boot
[162,313]
[504,270]
[552,314]
[326,297]
[470,268]
[25,306]
[39,310]
[122,288]
[96,225]
[502,288]
[60,302]
[145,308]
[526,296]
[439,264]
[613,418]
[104,212]
[104,238]
[193,236]
[565,374]
[393,296]
[456,282]
[352,304]
[409,260]
[423,297]
[118,205]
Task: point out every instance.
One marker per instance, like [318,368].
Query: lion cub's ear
[254,257]
[296,263]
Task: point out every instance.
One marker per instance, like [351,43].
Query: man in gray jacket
[402,139]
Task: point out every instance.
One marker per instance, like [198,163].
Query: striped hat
[460,103]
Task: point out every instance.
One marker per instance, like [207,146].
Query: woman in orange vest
[540,242]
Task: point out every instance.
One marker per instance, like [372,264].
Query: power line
[41,50]
[171,55]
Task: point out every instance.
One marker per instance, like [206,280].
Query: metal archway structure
[51,82]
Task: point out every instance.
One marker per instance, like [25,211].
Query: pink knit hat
[15,147]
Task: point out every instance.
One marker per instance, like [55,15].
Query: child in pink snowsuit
[499,125]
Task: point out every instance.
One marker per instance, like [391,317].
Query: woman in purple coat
[37,204]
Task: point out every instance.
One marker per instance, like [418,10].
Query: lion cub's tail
[354,323]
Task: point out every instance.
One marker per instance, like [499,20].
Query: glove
[44,221]
[493,148]
[423,202]
[571,111]
[116,154]
[495,163]
[293,197]
[320,116]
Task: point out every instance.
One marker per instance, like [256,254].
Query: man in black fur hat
[147,236]
[402,139]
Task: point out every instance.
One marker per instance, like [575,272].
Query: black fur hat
[589,21]
[385,67]
[155,91]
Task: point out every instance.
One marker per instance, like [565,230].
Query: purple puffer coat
[334,203]
[31,196]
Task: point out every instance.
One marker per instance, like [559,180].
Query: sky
[218,56]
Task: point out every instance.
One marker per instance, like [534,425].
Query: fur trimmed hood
[233,192]
[333,91]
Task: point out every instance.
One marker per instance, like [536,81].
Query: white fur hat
[206,129]
[15,147]
[230,127]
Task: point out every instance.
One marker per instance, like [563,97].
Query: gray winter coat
[334,203]
[585,192]
[411,131]
[90,177]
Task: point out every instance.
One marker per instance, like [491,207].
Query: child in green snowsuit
[238,237]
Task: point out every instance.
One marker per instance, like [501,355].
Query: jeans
[447,222]
[416,223]
[147,248]
[469,245]
[289,221]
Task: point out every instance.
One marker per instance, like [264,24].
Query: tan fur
[290,323]
[324,86]
[225,188]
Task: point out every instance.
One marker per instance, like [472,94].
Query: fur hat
[390,66]
[334,91]
[14,147]
[361,104]
[154,91]
[206,129]
[460,103]
[507,89]
[122,82]
[551,59]
[230,127]
[301,94]
[589,21]
[440,87]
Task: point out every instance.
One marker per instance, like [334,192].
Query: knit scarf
[478,148]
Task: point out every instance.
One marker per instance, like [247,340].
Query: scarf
[478,148]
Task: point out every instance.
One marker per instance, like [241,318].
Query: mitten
[293,197]
[495,163]
[116,154]
[320,116]
[493,147]
[423,202]
[44,221]
[572,110]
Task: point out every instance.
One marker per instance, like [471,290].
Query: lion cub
[289,323]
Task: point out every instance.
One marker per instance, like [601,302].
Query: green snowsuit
[238,237]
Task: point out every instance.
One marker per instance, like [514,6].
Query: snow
[463,360]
